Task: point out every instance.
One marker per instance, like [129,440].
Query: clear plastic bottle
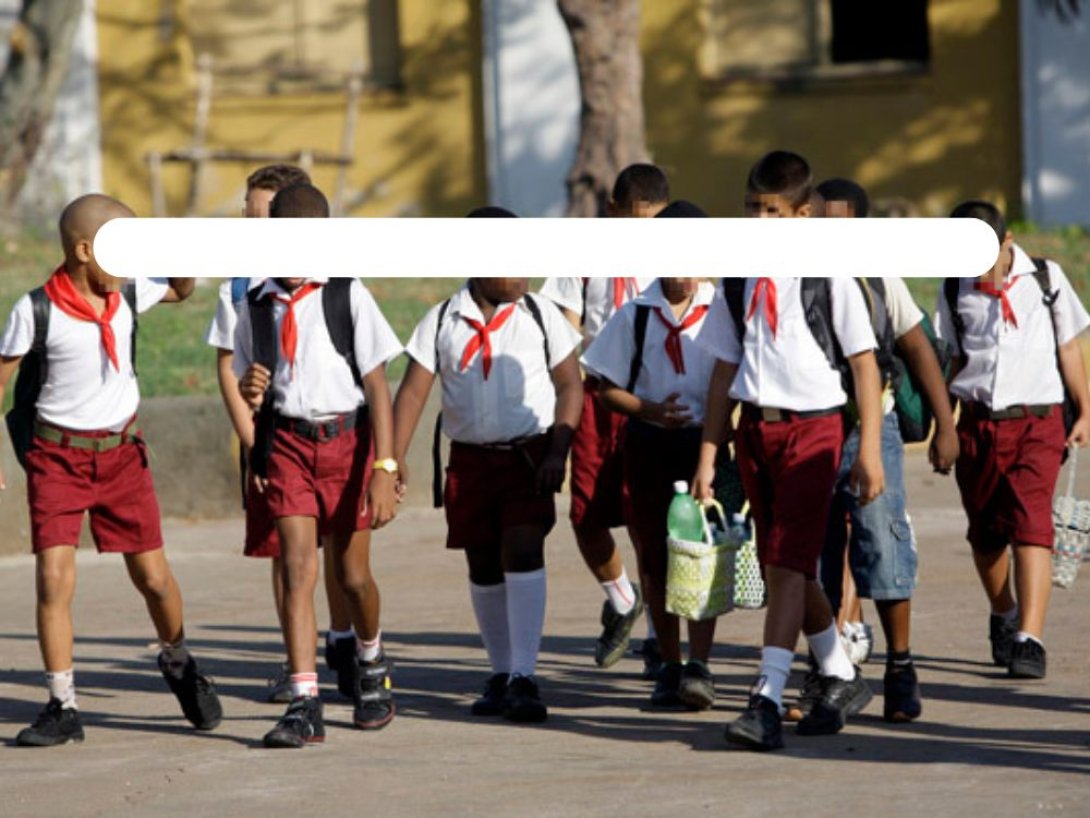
[739,529]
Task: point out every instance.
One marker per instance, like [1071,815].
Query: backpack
[437,433]
[34,368]
[239,288]
[337,309]
[950,288]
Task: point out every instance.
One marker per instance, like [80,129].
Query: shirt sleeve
[851,319]
[243,345]
[904,313]
[19,331]
[718,334]
[560,335]
[149,292]
[566,293]
[221,331]
[421,346]
[944,322]
[375,340]
[610,353]
[1069,313]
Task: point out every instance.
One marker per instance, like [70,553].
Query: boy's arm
[382,490]
[178,289]
[573,318]
[915,347]
[1073,372]
[412,394]
[238,410]
[717,413]
[8,365]
[669,414]
[569,407]
[867,475]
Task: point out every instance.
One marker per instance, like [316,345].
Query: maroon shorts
[325,479]
[115,487]
[654,459]
[597,479]
[262,539]
[788,469]
[489,491]
[1007,473]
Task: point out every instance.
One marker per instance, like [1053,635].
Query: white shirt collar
[462,303]
[1022,263]
[269,285]
[653,296]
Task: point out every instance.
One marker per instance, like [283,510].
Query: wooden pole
[348,136]
[200,131]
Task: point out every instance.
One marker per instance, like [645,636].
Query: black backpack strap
[643,312]
[818,308]
[437,433]
[535,312]
[734,291]
[128,292]
[265,351]
[874,293]
[951,287]
[337,308]
[28,383]
[41,307]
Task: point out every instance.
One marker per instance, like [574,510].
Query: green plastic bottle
[685,519]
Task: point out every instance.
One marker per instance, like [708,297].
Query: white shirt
[612,351]
[518,399]
[321,383]
[788,370]
[221,331]
[591,298]
[82,390]
[1007,365]
[904,313]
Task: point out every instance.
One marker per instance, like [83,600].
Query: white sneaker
[858,639]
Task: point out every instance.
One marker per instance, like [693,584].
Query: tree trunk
[605,35]
[41,45]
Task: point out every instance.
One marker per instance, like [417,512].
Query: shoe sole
[695,699]
[1016,672]
[379,724]
[66,740]
[854,708]
[211,724]
[533,718]
[901,717]
[749,743]
[285,744]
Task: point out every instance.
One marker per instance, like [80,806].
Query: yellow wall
[935,139]
[425,144]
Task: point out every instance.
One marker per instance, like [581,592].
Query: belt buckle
[771,415]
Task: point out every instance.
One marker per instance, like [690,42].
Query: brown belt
[88,442]
[769,414]
[1021,412]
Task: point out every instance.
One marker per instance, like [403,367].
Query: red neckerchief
[62,292]
[673,335]
[482,339]
[768,287]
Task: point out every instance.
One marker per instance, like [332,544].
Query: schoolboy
[881,544]
[315,458]
[664,404]
[788,444]
[511,398]
[640,190]
[261,539]
[88,457]
[1017,349]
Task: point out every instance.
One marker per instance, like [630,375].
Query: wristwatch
[387,464]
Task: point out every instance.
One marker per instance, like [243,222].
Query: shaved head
[82,218]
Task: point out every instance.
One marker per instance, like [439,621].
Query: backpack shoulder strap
[239,288]
[734,291]
[643,312]
[818,308]
[535,312]
[950,289]
[128,292]
[337,309]
[41,307]
[1044,280]
[437,432]
[263,330]
[438,326]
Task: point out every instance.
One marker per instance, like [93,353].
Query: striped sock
[368,650]
[304,685]
[621,594]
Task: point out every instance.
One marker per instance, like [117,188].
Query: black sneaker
[375,707]
[902,694]
[1027,660]
[616,629]
[494,698]
[340,657]
[524,701]
[652,659]
[54,725]
[299,726]
[1001,633]
[195,693]
[809,693]
[839,699]
[667,687]
[759,727]
[697,688]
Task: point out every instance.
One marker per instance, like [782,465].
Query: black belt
[983,411]
[325,429]
[770,414]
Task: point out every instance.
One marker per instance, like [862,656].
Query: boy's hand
[381,498]
[550,474]
[944,450]
[253,384]
[867,478]
[259,483]
[402,484]
[669,414]
[702,482]
[1080,433]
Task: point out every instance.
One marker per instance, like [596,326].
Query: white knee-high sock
[526,618]
[490,608]
[830,654]
[775,668]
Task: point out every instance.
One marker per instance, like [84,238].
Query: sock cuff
[485,590]
[60,674]
[332,635]
[778,658]
[525,576]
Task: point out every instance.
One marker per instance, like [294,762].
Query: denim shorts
[882,546]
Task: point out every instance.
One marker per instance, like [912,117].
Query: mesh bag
[1071,518]
[749,587]
[700,575]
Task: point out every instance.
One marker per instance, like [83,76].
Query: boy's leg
[1033,581]
[994,569]
[340,638]
[299,568]
[522,553]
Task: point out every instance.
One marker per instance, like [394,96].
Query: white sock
[332,635]
[1011,616]
[175,657]
[650,622]
[525,618]
[830,654]
[775,668]
[368,650]
[62,686]
[622,596]
[304,685]
[490,608]
[1022,636]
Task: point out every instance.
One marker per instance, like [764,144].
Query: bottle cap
[681,487]
[737,518]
